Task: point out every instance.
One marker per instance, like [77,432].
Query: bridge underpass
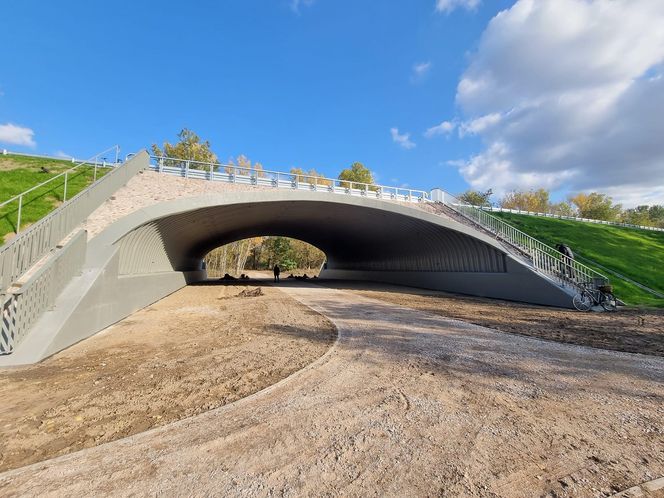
[153,252]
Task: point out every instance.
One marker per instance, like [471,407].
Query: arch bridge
[152,252]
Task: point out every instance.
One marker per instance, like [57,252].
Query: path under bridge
[137,255]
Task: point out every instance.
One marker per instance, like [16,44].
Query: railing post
[161,164]
[94,179]
[186,170]
[64,194]
[18,220]
[211,170]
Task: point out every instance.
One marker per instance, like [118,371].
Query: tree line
[594,205]
[258,253]
[191,147]
[262,253]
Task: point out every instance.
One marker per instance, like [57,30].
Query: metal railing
[571,218]
[231,173]
[22,308]
[72,159]
[96,161]
[562,269]
[29,246]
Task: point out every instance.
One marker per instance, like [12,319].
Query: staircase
[40,261]
[460,218]
[565,272]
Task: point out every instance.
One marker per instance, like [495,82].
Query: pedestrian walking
[567,260]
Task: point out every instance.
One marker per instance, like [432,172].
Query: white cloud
[296,4]
[16,135]
[420,70]
[637,196]
[478,125]
[62,154]
[444,128]
[569,94]
[402,139]
[448,6]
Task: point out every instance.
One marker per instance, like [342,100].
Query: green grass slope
[19,173]
[637,254]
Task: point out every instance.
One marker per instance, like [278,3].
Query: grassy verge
[637,254]
[18,174]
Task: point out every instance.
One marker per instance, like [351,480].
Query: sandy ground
[630,329]
[405,403]
[193,351]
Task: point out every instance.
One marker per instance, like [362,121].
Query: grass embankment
[19,173]
[637,254]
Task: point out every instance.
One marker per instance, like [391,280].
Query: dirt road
[198,349]
[406,403]
[631,330]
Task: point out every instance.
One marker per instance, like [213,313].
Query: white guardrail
[571,218]
[231,173]
[566,271]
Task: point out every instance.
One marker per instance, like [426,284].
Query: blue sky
[314,84]
[319,87]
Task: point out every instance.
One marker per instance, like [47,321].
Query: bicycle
[595,296]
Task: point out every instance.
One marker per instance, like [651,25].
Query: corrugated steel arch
[354,237]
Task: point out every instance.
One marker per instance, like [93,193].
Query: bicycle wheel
[609,302]
[582,301]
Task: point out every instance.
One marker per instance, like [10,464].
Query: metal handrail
[233,173]
[24,250]
[71,159]
[65,173]
[566,271]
